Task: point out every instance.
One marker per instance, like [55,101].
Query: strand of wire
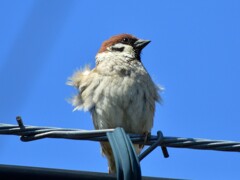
[30,133]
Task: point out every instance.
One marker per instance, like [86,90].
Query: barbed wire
[30,133]
[126,160]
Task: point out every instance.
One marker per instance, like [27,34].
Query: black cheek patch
[118,49]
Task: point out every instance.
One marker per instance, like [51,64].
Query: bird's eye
[125,40]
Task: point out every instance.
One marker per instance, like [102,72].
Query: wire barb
[20,121]
[158,142]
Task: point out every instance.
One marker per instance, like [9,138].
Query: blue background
[194,54]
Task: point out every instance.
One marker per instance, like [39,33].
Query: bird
[119,91]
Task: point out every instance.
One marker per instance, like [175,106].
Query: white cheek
[128,49]
[118,45]
[128,52]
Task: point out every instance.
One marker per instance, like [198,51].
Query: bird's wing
[85,82]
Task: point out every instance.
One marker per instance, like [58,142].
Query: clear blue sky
[194,54]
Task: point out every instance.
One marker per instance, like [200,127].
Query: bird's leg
[146,136]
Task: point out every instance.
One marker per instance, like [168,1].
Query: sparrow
[118,92]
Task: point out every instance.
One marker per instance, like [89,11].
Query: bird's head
[123,45]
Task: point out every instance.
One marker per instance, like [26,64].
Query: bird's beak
[140,44]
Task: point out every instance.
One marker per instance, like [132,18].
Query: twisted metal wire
[30,133]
